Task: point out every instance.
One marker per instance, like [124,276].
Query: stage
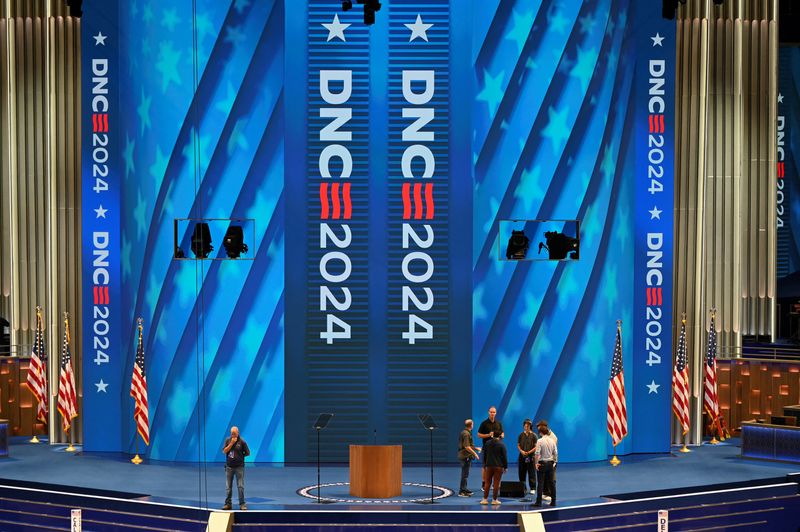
[275,487]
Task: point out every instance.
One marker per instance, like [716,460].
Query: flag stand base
[615,461]
[685,449]
[70,449]
[34,440]
[137,460]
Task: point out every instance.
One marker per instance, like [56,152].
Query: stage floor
[278,486]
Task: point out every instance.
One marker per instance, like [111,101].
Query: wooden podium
[376,471]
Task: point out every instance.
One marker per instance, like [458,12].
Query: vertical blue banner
[788,185]
[104,384]
[335,288]
[650,397]
[419,216]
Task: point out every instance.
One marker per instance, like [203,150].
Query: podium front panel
[376,471]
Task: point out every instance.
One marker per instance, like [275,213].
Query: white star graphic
[336,28]
[780,98]
[418,29]
[100,39]
[101,386]
[655,213]
[100,212]
[657,40]
[652,387]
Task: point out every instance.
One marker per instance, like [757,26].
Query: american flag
[139,392]
[37,373]
[680,382]
[710,399]
[617,414]
[67,398]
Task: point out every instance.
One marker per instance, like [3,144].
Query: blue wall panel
[539,108]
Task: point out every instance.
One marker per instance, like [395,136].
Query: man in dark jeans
[546,461]
[526,443]
[235,450]
[466,453]
[495,463]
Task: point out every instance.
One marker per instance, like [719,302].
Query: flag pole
[33,426]
[35,411]
[71,447]
[136,460]
[714,419]
[615,461]
[684,449]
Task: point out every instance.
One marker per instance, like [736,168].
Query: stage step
[32,509]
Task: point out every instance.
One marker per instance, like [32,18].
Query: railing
[16,350]
[761,352]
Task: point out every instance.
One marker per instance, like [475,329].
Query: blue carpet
[274,486]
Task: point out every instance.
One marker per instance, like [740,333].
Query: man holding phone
[235,450]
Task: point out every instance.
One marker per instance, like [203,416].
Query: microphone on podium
[375,436]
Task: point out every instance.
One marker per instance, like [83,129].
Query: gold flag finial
[683,318]
[139,322]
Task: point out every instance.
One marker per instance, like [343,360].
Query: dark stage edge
[272,487]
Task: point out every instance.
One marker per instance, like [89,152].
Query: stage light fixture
[559,244]
[75,7]
[201,240]
[234,242]
[668,8]
[370,8]
[518,245]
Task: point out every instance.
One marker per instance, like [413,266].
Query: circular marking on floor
[440,492]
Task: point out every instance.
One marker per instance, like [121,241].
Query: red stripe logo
[422,199]
[100,295]
[656,123]
[335,202]
[655,297]
[780,170]
[100,122]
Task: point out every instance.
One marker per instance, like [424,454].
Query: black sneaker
[226,507]
[463,494]
[469,492]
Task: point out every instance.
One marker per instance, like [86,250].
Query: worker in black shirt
[526,443]
[491,427]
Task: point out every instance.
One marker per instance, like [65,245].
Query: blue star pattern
[127,155]
[238,103]
[548,149]
[492,92]
[523,22]
[167,65]
[529,190]
[557,129]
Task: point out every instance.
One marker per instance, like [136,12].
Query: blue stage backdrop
[559,121]
[213,330]
[385,158]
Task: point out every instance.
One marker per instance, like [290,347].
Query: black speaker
[510,488]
